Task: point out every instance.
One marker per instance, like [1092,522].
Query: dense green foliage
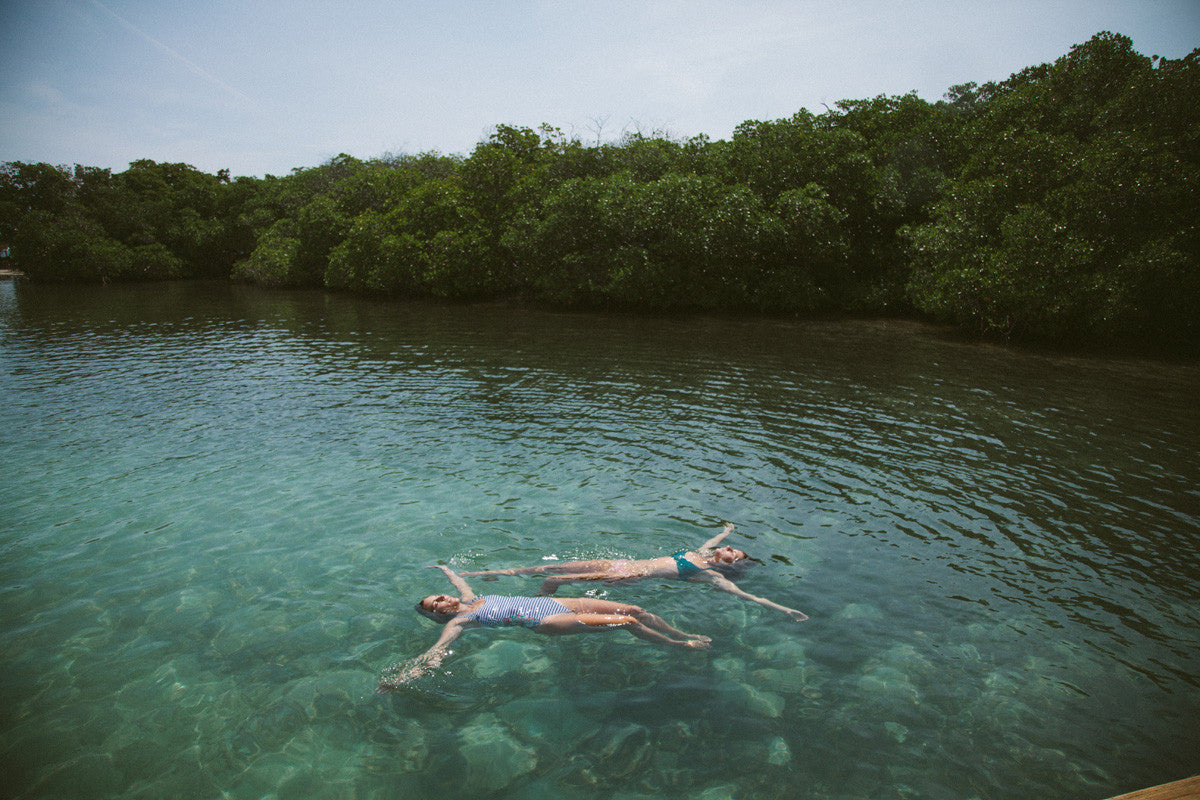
[152,221]
[1074,211]
[1058,204]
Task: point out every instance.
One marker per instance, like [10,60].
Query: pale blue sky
[262,87]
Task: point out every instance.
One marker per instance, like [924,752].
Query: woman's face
[441,604]
[728,555]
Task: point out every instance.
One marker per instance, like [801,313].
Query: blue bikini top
[686,568]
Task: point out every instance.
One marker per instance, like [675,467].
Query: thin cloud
[195,69]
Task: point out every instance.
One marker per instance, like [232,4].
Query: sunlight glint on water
[218,505]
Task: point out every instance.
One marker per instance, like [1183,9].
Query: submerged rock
[725,792]
[267,730]
[782,653]
[546,721]
[863,611]
[626,751]
[507,655]
[493,758]
[888,686]
[730,666]
[896,731]
[788,681]
[617,752]
[967,653]
[407,746]
[999,708]
[675,737]
[903,658]
[331,693]
[778,752]
[193,609]
[752,700]
[578,772]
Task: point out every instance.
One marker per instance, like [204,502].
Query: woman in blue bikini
[700,565]
[555,617]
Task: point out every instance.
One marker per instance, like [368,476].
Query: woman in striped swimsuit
[556,617]
[702,565]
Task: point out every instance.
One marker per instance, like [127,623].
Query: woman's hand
[394,680]
[468,594]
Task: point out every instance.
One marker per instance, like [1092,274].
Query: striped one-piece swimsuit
[499,610]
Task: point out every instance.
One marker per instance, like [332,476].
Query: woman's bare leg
[691,642]
[596,565]
[564,624]
[550,585]
[659,624]
[591,605]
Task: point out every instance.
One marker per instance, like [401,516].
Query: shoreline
[1177,352]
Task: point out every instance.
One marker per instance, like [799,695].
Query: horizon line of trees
[1060,204]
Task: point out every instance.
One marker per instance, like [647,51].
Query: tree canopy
[1060,204]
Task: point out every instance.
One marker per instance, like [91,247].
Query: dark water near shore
[218,503]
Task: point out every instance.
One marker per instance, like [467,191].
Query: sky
[267,86]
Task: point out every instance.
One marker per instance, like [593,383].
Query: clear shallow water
[218,504]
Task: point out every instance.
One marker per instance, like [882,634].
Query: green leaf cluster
[1073,216]
[1060,204]
[153,221]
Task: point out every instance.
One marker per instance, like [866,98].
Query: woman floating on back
[555,617]
[700,565]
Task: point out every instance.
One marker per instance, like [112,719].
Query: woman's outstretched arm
[468,595]
[431,659]
[716,540]
[726,585]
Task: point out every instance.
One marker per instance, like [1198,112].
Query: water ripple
[219,503]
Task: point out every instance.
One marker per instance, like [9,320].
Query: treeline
[1059,204]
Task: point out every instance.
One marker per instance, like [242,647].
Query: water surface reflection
[219,502]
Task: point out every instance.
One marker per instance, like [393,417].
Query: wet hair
[736,567]
[433,615]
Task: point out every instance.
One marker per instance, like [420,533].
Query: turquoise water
[219,503]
